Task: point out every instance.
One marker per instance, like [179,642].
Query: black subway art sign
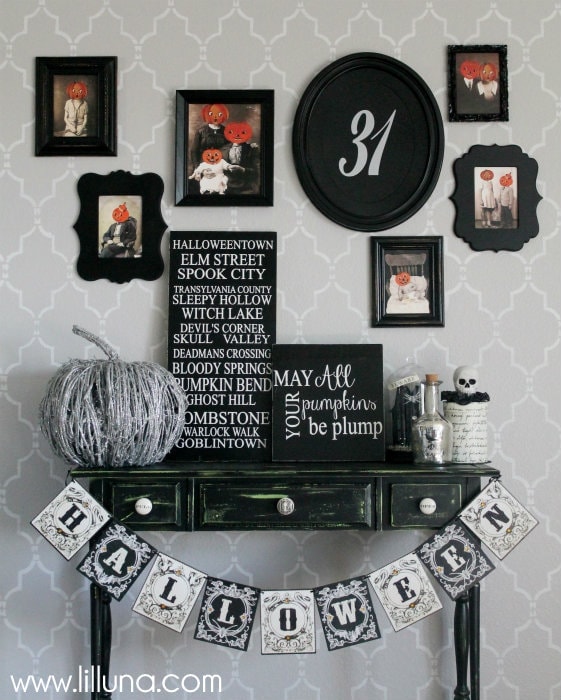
[222,321]
[328,403]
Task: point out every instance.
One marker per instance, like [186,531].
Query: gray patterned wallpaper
[502,314]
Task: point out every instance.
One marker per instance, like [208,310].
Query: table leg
[100,620]
[462,646]
[474,645]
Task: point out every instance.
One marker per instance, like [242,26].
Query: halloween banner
[71,519]
[227,613]
[498,519]
[454,556]
[455,559]
[287,622]
[116,558]
[405,592]
[170,592]
[346,613]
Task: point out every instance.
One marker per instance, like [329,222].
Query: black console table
[198,496]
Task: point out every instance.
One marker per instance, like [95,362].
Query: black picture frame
[86,126]
[368,141]
[477,83]
[506,230]
[250,182]
[113,253]
[407,285]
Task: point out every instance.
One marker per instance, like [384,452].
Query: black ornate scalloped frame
[149,265]
[500,238]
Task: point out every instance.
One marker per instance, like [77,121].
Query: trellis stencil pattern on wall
[502,315]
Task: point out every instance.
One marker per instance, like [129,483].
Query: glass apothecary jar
[432,434]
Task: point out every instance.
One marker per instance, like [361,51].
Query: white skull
[466,380]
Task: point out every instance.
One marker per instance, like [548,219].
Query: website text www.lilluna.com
[90,679]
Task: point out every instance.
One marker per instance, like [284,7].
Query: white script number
[363,133]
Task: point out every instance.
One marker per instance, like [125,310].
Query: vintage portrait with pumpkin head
[496,197]
[75,106]
[477,83]
[224,147]
[120,226]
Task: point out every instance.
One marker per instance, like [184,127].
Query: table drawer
[405,503]
[168,507]
[283,505]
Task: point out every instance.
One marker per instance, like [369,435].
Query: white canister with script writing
[469,424]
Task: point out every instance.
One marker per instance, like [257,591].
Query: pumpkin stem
[107,349]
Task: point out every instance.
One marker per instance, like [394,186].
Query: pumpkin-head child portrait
[76,109]
[496,197]
[507,198]
[75,106]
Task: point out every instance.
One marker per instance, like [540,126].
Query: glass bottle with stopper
[432,434]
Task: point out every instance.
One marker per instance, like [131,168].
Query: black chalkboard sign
[328,403]
[222,316]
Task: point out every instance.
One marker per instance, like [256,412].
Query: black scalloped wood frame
[149,265]
[528,198]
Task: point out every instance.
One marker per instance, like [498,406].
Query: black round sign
[368,142]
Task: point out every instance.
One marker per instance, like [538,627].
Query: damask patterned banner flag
[405,591]
[287,622]
[498,519]
[170,592]
[346,613]
[116,558]
[455,559]
[227,613]
[71,519]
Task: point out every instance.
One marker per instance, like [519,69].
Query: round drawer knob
[285,506]
[143,506]
[427,506]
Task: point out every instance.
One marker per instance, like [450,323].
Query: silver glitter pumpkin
[111,413]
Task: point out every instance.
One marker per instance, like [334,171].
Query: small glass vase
[432,434]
